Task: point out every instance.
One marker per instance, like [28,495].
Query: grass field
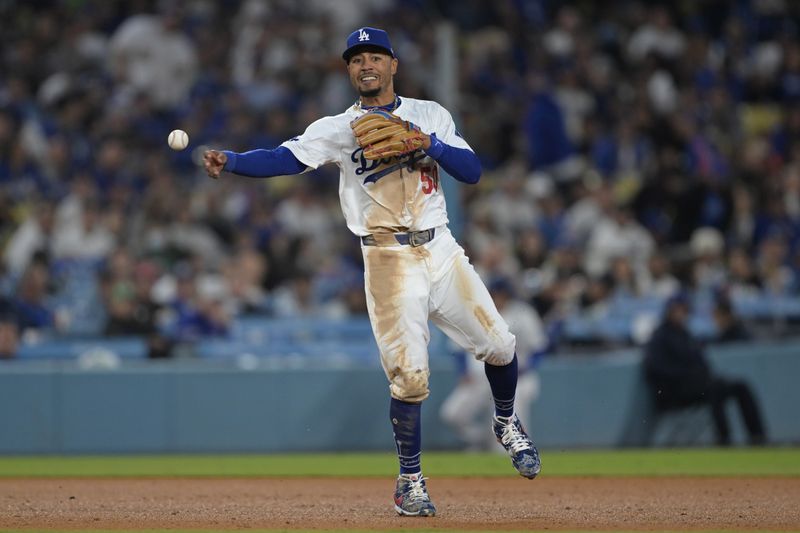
[672,462]
[636,463]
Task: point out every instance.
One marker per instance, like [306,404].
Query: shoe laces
[416,489]
[514,438]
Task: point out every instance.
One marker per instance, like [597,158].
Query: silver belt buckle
[418,238]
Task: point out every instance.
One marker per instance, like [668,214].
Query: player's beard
[370,93]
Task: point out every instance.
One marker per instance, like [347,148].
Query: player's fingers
[212,168]
[213,155]
[214,162]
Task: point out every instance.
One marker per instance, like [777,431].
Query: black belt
[412,238]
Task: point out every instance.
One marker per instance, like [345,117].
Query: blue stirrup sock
[407,429]
[503,382]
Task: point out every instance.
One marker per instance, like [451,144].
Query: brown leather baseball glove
[383,134]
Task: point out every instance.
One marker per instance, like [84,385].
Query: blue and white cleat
[411,496]
[524,455]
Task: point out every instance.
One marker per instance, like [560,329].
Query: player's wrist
[426,142]
[230,163]
[434,147]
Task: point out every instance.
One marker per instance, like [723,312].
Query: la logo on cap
[362,35]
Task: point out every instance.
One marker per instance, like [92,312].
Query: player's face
[371,74]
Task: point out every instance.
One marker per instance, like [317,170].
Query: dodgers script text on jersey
[395,194]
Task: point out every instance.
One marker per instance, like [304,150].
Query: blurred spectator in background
[126,289]
[32,236]
[679,375]
[708,270]
[119,294]
[626,282]
[774,271]
[594,301]
[658,279]
[355,299]
[468,408]
[549,147]
[88,238]
[510,206]
[129,308]
[9,331]
[31,305]
[742,281]
[151,54]
[189,313]
[297,300]
[656,37]
[730,327]
[244,275]
[617,234]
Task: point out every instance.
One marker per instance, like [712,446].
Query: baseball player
[389,150]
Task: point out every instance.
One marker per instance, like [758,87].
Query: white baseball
[178,139]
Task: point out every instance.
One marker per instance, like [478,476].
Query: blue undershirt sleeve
[262,163]
[461,163]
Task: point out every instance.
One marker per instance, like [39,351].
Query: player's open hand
[214,161]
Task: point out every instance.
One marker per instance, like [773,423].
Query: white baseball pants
[406,286]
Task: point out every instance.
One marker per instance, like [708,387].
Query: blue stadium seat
[349,339]
[124,347]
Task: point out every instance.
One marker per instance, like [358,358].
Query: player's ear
[394,66]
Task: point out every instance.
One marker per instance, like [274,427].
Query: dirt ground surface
[464,503]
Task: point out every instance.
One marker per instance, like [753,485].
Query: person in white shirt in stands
[468,408]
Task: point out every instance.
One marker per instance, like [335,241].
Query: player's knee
[498,351]
[410,385]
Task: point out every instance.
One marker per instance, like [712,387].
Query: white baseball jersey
[390,195]
[406,286]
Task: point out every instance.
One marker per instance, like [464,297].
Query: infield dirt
[463,504]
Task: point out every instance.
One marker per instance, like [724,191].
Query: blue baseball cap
[501,284]
[367,37]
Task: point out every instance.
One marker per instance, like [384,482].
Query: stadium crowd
[629,149]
